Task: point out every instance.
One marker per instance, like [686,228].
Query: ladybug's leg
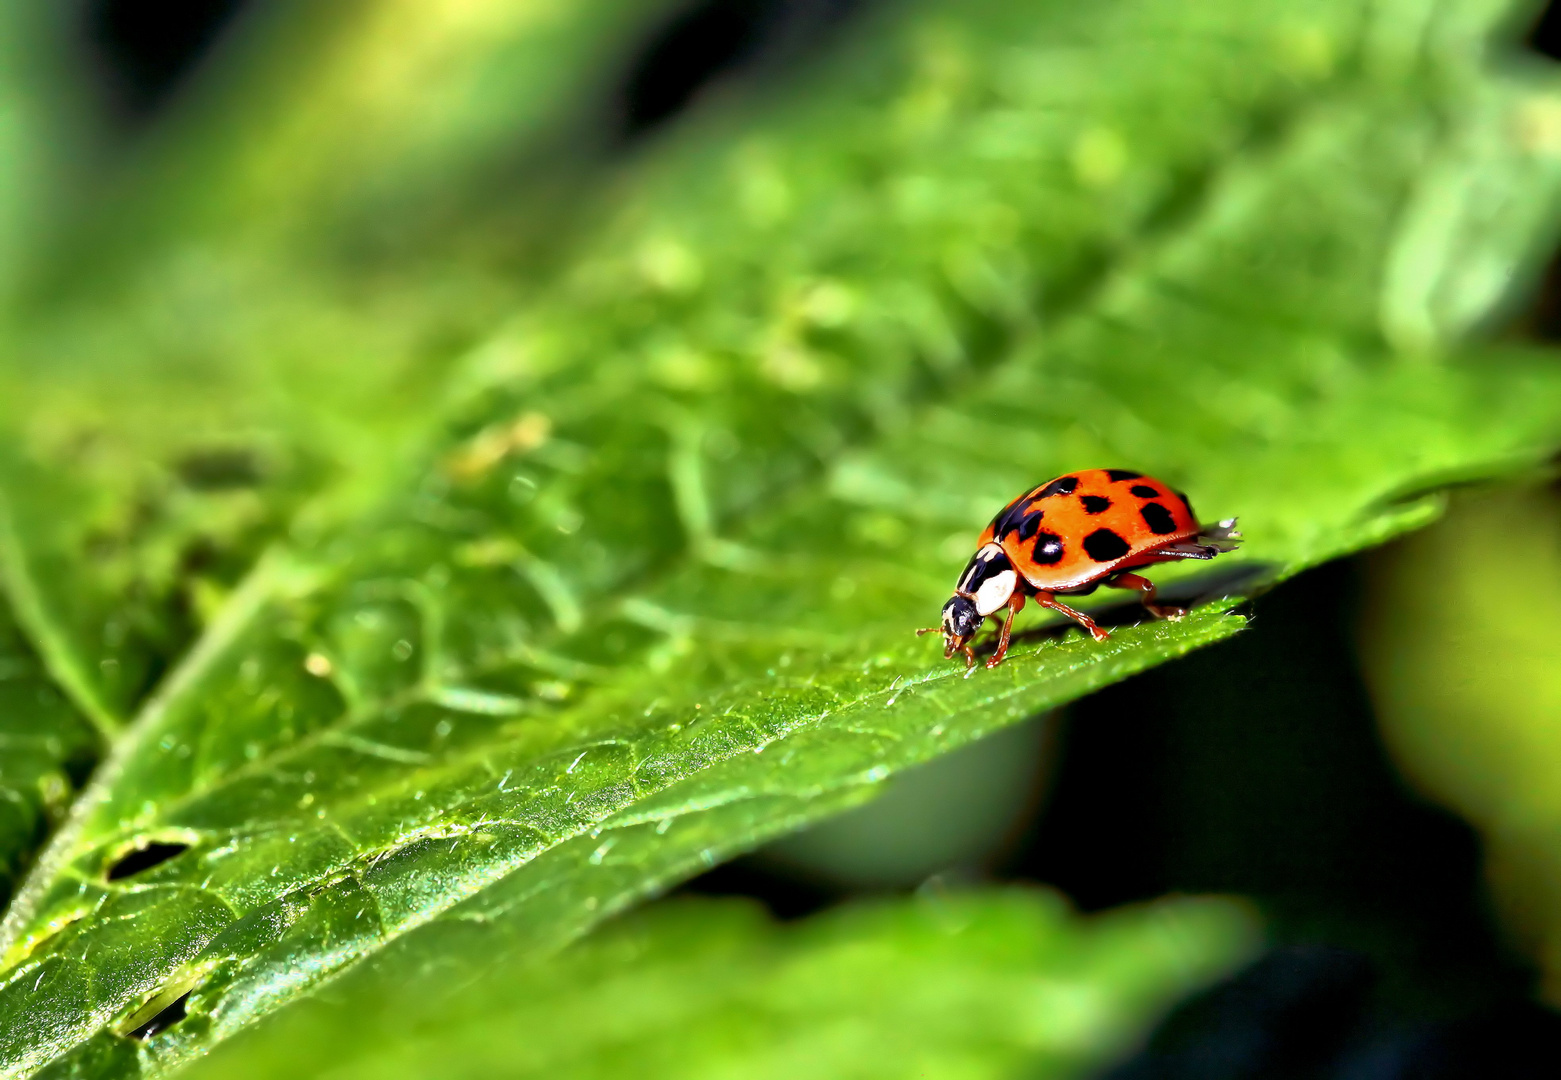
[1046,599]
[1015,604]
[1146,593]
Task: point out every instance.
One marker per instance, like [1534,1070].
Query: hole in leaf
[163,1008]
[163,1020]
[143,858]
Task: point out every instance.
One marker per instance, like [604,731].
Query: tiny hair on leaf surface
[941,984]
[638,595]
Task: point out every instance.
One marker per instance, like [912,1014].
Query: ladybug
[1068,537]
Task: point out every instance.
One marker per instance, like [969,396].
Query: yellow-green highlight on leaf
[969,985]
[1461,647]
[642,598]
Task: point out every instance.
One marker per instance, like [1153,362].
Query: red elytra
[1070,536]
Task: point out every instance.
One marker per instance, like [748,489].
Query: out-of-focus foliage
[28,158]
[612,577]
[955,815]
[944,985]
[1461,643]
[261,300]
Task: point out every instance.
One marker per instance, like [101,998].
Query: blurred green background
[295,292]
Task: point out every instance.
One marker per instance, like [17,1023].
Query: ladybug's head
[960,622]
[986,585]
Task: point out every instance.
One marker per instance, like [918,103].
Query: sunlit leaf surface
[640,594]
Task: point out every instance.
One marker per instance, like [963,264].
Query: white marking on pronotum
[977,565]
[995,591]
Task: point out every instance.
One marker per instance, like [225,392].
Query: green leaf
[643,598]
[42,742]
[972,985]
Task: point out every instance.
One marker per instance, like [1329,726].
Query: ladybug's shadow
[1235,583]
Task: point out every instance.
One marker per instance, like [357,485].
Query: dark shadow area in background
[1253,767]
[707,41]
[143,49]
[1545,36]
[787,896]
[1286,1015]
[1303,1011]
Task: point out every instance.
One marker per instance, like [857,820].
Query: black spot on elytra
[1182,495]
[141,859]
[1118,475]
[1103,545]
[1048,549]
[163,1020]
[1063,485]
[1014,517]
[1144,491]
[1095,504]
[1158,518]
[1004,523]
